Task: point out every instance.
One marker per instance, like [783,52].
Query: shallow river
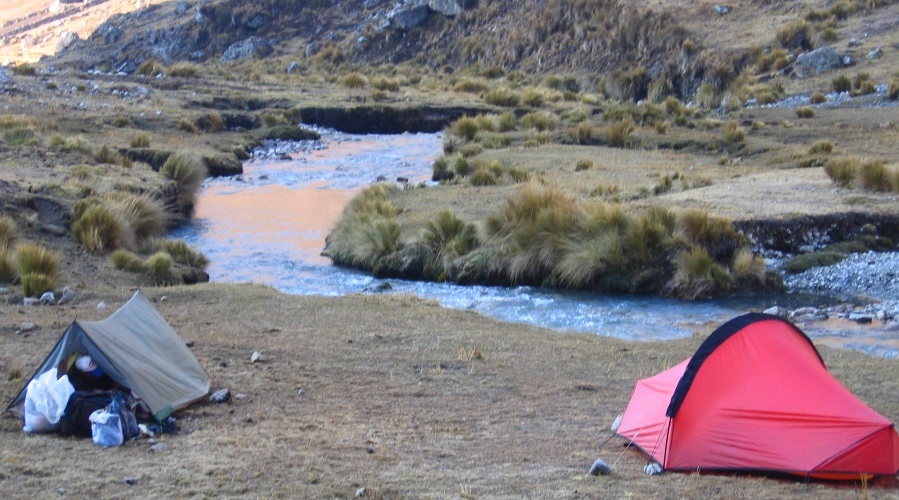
[269,226]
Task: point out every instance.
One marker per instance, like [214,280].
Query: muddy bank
[808,233]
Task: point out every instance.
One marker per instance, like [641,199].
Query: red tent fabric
[756,396]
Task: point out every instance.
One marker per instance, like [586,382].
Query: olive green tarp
[139,350]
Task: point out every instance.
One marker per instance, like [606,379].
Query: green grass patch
[127,261]
[804,262]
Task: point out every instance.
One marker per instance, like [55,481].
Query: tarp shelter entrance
[137,348]
[756,396]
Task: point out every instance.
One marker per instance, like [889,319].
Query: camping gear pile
[101,377]
[757,397]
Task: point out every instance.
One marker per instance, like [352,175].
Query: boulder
[816,62]
[256,21]
[449,8]
[409,16]
[877,53]
[253,46]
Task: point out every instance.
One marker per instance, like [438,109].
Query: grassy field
[388,393]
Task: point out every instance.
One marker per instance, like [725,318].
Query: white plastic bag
[106,429]
[45,401]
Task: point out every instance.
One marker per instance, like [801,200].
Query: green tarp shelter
[139,350]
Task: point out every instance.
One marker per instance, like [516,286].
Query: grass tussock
[544,236]
[189,172]
[502,96]
[100,228]
[9,232]
[70,144]
[8,271]
[842,171]
[184,70]
[353,81]
[868,175]
[732,133]
[20,136]
[159,266]
[444,239]
[805,112]
[127,261]
[617,133]
[144,215]
[821,147]
[150,67]
[465,128]
[874,176]
[893,88]
[179,250]
[37,267]
[139,141]
[367,231]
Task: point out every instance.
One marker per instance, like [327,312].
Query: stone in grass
[220,396]
[600,468]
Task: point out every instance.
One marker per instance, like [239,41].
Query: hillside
[677,45]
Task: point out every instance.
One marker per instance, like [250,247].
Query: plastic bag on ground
[45,401]
[106,429]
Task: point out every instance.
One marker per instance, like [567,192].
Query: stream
[269,225]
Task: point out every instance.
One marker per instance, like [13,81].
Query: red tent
[756,396]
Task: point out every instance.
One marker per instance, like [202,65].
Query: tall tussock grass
[544,236]
[100,228]
[445,238]
[9,232]
[367,231]
[188,171]
[38,268]
[872,175]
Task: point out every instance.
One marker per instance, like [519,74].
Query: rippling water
[269,226]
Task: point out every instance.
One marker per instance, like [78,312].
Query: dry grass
[389,393]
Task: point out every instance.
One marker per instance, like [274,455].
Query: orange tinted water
[293,220]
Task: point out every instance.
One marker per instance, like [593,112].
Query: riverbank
[390,394]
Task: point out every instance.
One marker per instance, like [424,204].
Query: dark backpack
[76,420]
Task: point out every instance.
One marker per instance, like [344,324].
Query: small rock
[256,356]
[189,343]
[101,306]
[159,447]
[248,418]
[600,468]
[31,301]
[163,298]
[220,396]
[47,298]
[853,42]
[26,327]
[877,53]
[653,469]
[67,295]
[61,491]
[721,10]
[240,396]
[777,311]
[617,422]
[360,492]
[862,319]
[130,480]
[301,392]
[293,68]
